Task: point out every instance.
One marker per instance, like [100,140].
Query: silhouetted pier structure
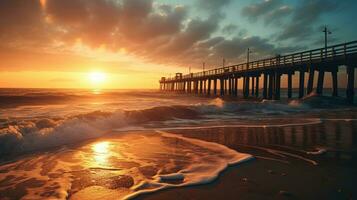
[224,81]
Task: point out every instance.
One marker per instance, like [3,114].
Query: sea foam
[120,166]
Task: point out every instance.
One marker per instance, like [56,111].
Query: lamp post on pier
[327,32]
[248,55]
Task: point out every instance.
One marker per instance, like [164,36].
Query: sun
[97,78]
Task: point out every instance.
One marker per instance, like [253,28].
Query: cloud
[20,22]
[276,16]
[237,47]
[196,30]
[269,10]
[305,17]
[230,28]
[212,5]
[153,32]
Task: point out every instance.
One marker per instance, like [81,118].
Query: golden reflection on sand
[101,147]
[101,153]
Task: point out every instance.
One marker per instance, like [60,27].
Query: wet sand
[265,179]
[301,161]
[316,161]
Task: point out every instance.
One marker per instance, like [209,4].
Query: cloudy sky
[57,43]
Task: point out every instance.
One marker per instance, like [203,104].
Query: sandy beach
[263,178]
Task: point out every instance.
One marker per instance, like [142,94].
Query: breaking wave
[19,136]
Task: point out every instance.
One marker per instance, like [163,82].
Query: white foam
[283,154]
[28,136]
[199,172]
[318,152]
[178,161]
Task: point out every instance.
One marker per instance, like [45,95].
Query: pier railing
[310,56]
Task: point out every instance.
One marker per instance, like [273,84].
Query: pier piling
[310,83]
[320,81]
[265,86]
[350,83]
[334,82]
[301,83]
[290,85]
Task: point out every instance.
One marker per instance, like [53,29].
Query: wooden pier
[224,81]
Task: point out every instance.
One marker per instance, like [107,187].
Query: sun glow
[97,78]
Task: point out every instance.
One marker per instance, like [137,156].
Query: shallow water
[120,166]
[83,144]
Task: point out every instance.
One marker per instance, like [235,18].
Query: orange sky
[59,43]
[56,70]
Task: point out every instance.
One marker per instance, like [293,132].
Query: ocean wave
[22,100]
[19,136]
[25,136]
[315,101]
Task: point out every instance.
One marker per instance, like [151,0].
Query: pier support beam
[320,81]
[222,86]
[183,86]
[229,85]
[257,86]
[197,85]
[226,87]
[350,84]
[201,86]
[236,86]
[301,83]
[290,85]
[204,87]
[246,84]
[232,86]
[277,86]
[215,87]
[189,88]
[334,82]
[243,88]
[253,87]
[310,83]
[265,85]
[209,87]
[271,85]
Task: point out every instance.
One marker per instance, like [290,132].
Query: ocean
[90,144]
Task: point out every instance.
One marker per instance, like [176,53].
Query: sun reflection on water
[101,147]
[96,91]
[101,153]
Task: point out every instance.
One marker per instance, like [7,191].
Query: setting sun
[97,77]
[148,99]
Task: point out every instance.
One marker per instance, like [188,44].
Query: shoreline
[271,176]
[266,179]
[284,165]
